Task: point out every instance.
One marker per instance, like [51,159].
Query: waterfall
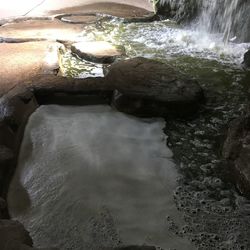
[220,16]
[229,17]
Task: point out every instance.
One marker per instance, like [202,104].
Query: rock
[246,62]
[23,61]
[3,208]
[181,11]
[7,163]
[41,29]
[16,106]
[13,231]
[236,150]
[98,52]
[146,87]
[6,135]
[81,18]
[5,154]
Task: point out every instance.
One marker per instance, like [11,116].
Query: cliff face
[231,18]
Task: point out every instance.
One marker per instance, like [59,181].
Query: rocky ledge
[236,151]
[246,61]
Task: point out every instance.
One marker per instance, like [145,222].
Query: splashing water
[210,20]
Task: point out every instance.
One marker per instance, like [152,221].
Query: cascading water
[221,16]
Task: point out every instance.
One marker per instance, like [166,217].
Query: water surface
[91,177]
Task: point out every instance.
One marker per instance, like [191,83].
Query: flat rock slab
[99,52]
[236,151]
[41,29]
[121,8]
[23,61]
[148,87]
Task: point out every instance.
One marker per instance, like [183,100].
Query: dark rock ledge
[236,151]
[246,61]
[137,86]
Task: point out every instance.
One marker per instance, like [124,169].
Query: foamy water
[164,39]
[91,177]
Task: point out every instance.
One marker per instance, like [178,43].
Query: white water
[89,177]
[229,16]
[209,37]
[165,40]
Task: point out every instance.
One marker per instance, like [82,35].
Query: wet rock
[6,135]
[146,87]
[16,106]
[13,232]
[246,62]
[236,151]
[181,10]
[3,207]
[80,18]
[99,52]
[23,61]
[41,29]
[5,154]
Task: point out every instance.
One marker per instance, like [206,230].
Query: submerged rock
[236,151]
[99,52]
[246,62]
[150,88]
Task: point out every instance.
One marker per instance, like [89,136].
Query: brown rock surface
[151,88]
[41,29]
[24,61]
[99,52]
[121,8]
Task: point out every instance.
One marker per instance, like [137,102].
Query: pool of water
[91,177]
[215,215]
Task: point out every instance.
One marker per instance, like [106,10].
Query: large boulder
[147,87]
[236,151]
[98,52]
